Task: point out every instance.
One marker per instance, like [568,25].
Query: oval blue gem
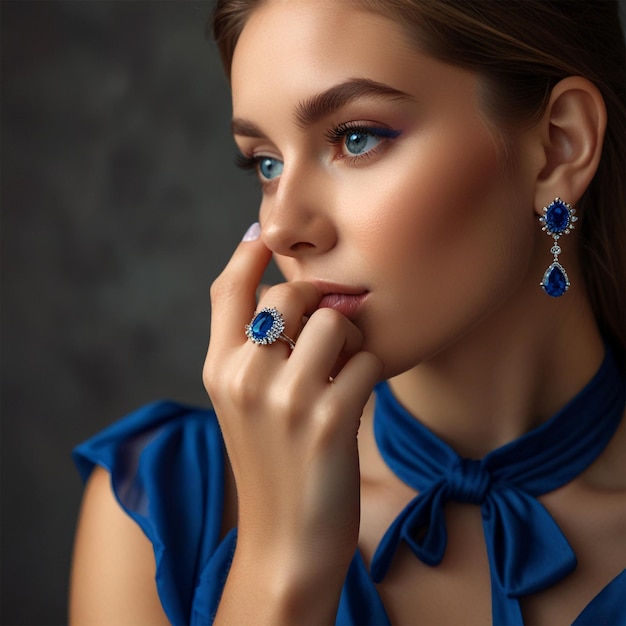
[557,217]
[555,281]
[261,325]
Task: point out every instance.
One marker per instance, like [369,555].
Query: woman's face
[381,179]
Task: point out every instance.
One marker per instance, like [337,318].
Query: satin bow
[527,551]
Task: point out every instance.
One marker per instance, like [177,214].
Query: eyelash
[247,163]
[335,136]
[338,134]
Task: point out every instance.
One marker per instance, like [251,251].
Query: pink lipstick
[346,303]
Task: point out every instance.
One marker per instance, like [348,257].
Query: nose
[297,218]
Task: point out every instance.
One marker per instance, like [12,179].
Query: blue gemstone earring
[558,219]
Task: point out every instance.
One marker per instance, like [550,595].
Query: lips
[346,303]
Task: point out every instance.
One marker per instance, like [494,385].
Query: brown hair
[521,49]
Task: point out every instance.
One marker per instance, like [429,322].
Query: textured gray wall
[119,205]
[120,202]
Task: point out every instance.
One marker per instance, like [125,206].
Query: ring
[267,327]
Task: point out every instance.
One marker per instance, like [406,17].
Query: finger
[262,290]
[326,343]
[233,293]
[356,381]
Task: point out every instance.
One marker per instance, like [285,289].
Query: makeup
[346,304]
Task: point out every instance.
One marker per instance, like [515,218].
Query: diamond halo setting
[267,327]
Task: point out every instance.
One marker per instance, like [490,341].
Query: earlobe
[572,129]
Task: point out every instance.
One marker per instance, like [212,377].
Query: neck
[507,376]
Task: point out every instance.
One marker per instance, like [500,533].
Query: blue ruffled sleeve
[167,472]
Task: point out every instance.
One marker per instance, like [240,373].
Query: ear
[572,132]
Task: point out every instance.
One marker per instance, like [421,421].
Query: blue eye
[359,142]
[267,168]
[270,168]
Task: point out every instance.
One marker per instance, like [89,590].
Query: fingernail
[253,233]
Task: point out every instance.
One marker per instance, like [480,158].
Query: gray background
[120,202]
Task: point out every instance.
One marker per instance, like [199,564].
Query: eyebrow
[311,110]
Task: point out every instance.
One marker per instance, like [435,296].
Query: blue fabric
[608,607]
[167,467]
[167,472]
[526,549]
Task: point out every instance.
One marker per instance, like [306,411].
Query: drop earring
[558,219]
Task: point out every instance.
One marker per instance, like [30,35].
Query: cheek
[448,212]
[451,240]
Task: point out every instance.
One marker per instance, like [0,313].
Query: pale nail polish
[253,233]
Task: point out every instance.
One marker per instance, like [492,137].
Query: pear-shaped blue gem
[557,217]
[555,282]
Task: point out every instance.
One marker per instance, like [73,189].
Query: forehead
[295,47]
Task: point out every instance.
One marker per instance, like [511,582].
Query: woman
[443,192]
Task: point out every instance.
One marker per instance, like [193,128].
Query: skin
[439,237]
[461,271]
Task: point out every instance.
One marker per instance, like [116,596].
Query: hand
[290,421]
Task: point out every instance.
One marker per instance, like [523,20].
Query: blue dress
[167,460]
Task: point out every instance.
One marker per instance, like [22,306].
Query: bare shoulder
[113,568]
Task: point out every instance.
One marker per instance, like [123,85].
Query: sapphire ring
[267,327]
